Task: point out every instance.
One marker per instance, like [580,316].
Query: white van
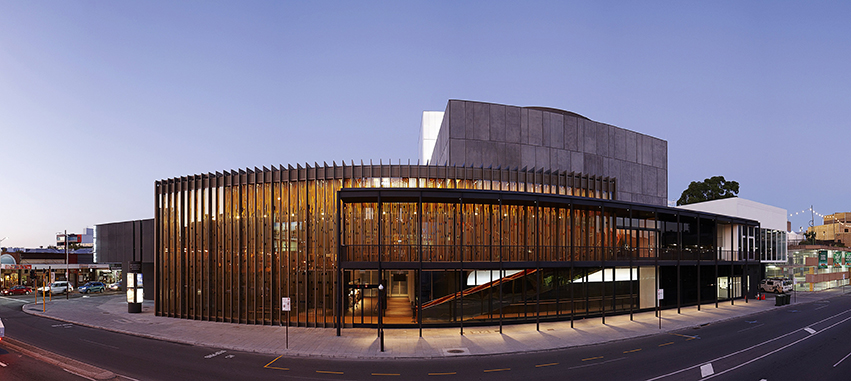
[58,287]
[777,285]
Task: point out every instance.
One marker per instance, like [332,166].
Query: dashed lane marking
[597,363]
[810,330]
[662,345]
[706,370]
[328,372]
[443,374]
[386,374]
[631,351]
[544,365]
[497,370]
[592,358]
[688,337]
[2,364]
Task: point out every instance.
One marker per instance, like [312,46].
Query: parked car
[92,287]
[115,286]
[58,287]
[18,290]
[777,285]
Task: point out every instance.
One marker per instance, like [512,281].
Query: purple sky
[100,99]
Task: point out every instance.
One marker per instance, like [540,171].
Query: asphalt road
[15,366]
[804,341]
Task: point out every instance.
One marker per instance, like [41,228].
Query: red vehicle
[18,290]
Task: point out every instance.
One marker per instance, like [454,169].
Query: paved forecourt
[110,312]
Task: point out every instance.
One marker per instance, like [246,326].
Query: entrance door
[398,283]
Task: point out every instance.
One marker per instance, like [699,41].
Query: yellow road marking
[496,370]
[592,358]
[386,374]
[634,350]
[686,336]
[328,372]
[271,362]
[543,365]
[662,345]
[275,367]
[442,374]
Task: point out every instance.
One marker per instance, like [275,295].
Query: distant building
[16,264]
[835,227]
[82,240]
[772,240]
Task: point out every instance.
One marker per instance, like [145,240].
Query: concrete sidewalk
[110,312]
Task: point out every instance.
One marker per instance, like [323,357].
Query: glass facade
[451,245]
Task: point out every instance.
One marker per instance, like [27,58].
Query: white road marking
[781,348]
[843,359]
[756,345]
[15,299]
[65,325]
[4,365]
[706,370]
[211,355]
[810,330]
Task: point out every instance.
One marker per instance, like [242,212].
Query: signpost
[380,313]
[660,294]
[286,306]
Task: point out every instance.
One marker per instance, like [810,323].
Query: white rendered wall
[769,217]
[429,128]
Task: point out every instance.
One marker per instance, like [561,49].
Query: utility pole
[67,272]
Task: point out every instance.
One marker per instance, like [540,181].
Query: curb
[66,363]
[390,356]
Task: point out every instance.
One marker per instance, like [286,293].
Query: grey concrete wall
[488,134]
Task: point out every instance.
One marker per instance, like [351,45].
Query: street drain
[455,351]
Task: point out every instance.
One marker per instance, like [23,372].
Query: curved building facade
[449,246]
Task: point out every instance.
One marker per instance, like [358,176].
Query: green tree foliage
[809,238]
[713,188]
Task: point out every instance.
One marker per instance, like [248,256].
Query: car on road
[57,287]
[115,286]
[92,287]
[18,290]
[778,285]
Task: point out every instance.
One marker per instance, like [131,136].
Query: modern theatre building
[522,214]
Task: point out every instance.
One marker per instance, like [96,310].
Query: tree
[713,188]
[810,237]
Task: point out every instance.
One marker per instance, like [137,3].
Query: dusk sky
[99,99]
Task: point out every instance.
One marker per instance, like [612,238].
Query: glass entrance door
[398,283]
